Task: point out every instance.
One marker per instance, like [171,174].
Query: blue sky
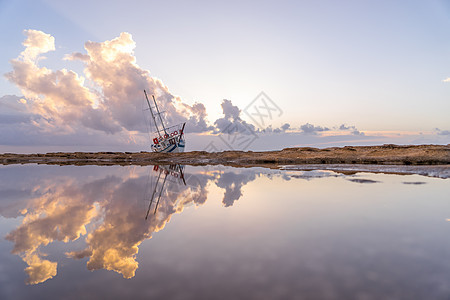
[377,65]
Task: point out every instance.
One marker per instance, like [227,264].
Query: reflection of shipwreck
[171,173]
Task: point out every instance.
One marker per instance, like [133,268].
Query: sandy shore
[375,155]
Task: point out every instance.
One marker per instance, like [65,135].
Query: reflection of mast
[181,171]
[160,192]
[176,169]
[153,195]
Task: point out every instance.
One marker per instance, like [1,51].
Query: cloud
[36,43]
[283,128]
[13,111]
[197,120]
[442,132]
[12,104]
[112,65]
[77,56]
[311,129]
[230,111]
[65,103]
[20,126]
[59,97]
[13,119]
[353,130]
[232,123]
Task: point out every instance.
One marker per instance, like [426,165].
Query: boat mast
[153,116]
[159,114]
[181,132]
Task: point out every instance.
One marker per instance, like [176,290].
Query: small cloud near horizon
[352,129]
[442,132]
[311,129]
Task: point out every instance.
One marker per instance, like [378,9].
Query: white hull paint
[173,149]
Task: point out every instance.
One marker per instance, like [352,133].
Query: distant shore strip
[376,155]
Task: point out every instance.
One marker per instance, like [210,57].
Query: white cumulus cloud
[67,103]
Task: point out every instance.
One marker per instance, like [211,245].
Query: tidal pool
[175,232]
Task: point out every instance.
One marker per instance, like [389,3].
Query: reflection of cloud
[358,180]
[233,183]
[113,245]
[308,175]
[61,208]
[39,270]
[57,221]
[60,213]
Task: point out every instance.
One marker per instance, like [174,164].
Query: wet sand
[374,155]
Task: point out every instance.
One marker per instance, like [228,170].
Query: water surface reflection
[310,231]
[60,207]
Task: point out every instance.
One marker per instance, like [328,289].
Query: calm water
[221,233]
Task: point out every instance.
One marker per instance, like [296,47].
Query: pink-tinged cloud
[37,43]
[67,104]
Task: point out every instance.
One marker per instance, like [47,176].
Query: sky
[279,73]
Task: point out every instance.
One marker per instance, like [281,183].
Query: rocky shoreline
[375,155]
